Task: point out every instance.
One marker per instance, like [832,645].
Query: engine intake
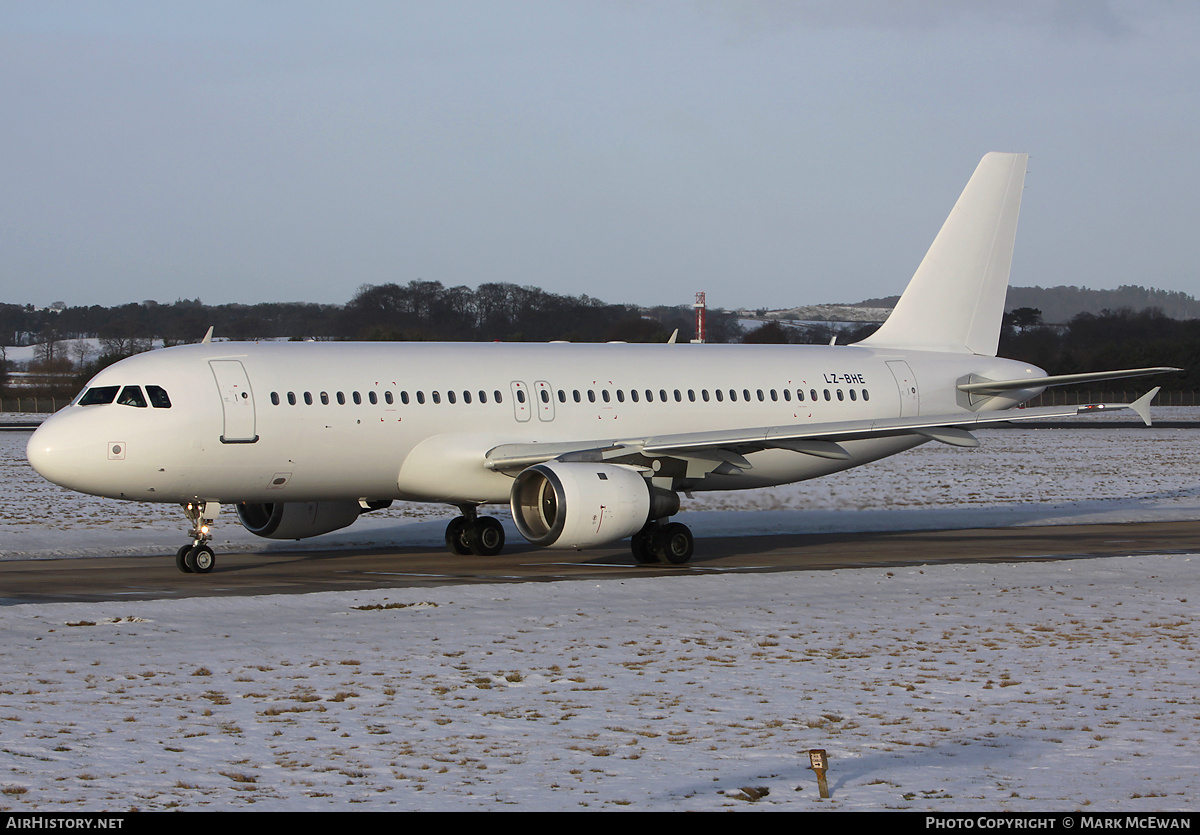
[578,505]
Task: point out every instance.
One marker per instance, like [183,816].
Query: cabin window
[720,396]
[341,398]
[482,396]
[787,394]
[449,396]
[496,394]
[662,395]
[324,398]
[466,397]
[828,397]
[704,395]
[866,396]
[591,396]
[853,394]
[437,396]
[840,395]
[620,395]
[605,395]
[812,393]
[371,396]
[291,398]
[520,395]
[633,395]
[575,394]
[308,401]
[691,395]
[562,396]
[421,397]
[274,398]
[357,398]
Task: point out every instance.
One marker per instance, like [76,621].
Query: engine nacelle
[296,520]
[578,505]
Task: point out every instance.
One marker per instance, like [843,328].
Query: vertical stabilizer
[955,300]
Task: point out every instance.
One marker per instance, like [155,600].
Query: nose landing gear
[197,556]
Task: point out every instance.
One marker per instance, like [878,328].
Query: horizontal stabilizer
[991,386]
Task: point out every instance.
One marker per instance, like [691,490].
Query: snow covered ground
[1057,686]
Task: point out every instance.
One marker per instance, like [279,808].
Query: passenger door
[237,402]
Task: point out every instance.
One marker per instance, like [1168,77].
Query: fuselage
[318,421]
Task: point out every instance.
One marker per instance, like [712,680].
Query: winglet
[208,336]
[1142,404]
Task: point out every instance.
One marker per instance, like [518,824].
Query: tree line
[1107,340]
[427,310]
[85,339]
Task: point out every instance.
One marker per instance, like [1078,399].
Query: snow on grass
[1061,686]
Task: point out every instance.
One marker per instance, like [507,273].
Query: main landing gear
[197,556]
[661,540]
[470,533]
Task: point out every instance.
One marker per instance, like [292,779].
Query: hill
[1061,304]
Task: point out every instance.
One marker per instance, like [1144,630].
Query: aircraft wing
[710,450]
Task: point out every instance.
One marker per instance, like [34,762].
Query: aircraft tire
[486,537]
[642,545]
[674,543]
[181,559]
[456,537]
[201,559]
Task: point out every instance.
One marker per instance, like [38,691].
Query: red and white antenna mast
[699,306]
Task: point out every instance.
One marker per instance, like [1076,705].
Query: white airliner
[588,444]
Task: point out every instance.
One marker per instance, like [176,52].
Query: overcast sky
[769,152]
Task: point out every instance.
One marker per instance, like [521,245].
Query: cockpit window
[132,396]
[158,397]
[98,395]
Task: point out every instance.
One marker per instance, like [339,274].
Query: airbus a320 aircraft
[588,444]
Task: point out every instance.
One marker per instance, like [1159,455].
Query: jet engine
[579,505]
[296,520]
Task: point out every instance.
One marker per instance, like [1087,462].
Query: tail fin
[955,300]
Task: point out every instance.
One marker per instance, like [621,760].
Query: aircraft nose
[54,452]
[43,451]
